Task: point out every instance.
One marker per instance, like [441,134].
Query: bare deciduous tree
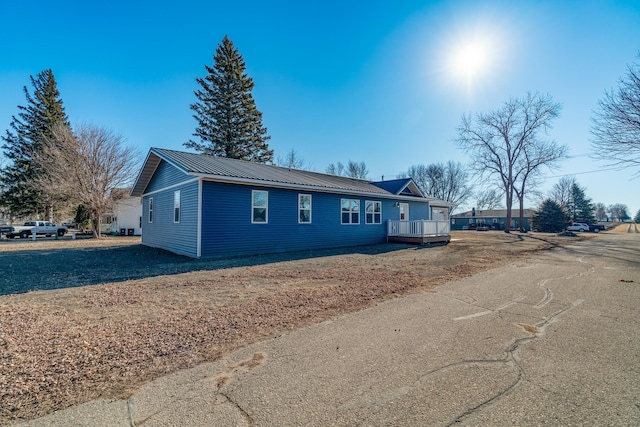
[562,190]
[87,166]
[499,141]
[537,154]
[352,170]
[446,181]
[489,199]
[619,211]
[291,160]
[357,170]
[616,124]
[601,211]
[335,168]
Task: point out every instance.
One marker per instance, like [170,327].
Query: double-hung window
[259,207]
[150,209]
[372,212]
[176,206]
[304,208]
[349,211]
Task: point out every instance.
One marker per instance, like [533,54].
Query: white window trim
[406,211]
[179,206]
[373,214]
[150,213]
[266,213]
[309,209]
[350,212]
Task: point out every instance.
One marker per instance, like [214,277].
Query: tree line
[51,165]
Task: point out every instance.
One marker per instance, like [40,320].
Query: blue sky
[335,80]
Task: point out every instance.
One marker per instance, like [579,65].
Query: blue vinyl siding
[165,176]
[227,229]
[163,232]
[418,211]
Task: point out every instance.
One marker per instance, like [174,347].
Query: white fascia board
[179,184]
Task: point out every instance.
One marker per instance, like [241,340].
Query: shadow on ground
[46,269]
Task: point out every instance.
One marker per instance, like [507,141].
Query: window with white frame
[176,206]
[304,208]
[372,212]
[259,207]
[150,209]
[349,211]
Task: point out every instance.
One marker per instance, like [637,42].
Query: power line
[585,172]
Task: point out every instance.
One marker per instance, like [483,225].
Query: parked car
[596,228]
[578,226]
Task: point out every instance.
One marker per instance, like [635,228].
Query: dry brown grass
[63,347]
[625,228]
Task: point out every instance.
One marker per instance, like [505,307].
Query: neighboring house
[204,206]
[494,219]
[125,217]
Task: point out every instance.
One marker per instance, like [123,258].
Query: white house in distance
[125,219]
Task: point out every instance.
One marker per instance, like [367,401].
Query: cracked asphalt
[549,340]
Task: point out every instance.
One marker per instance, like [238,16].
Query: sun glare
[470,60]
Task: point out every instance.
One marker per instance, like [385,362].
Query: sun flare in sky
[471,55]
[470,59]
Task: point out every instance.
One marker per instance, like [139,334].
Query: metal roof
[231,170]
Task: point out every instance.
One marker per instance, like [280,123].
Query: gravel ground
[149,312]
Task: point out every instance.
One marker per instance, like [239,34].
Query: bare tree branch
[615,126]
[446,181]
[87,166]
[291,160]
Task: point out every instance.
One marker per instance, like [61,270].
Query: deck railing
[419,228]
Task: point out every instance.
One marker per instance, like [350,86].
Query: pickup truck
[39,228]
[596,228]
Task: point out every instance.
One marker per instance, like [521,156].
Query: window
[176,206]
[373,212]
[150,209]
[350,211]
[439,214]
[259,207]
[304,208]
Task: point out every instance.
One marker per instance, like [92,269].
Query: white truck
[37,228]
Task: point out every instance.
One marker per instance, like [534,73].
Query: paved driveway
[552,340]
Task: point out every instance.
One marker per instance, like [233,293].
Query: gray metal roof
[225,169]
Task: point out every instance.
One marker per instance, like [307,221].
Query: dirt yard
[147,313]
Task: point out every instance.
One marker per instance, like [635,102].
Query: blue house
[204,206]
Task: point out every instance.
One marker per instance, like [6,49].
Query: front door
[404,211]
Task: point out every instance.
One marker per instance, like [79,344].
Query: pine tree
[550,217]
[229,124]
[29,130]
[580,207]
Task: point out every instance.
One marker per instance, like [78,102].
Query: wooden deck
[419,232]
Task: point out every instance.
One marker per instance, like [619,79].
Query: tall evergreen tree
[551,217]
[580,206]
[229,124]
[29,130]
